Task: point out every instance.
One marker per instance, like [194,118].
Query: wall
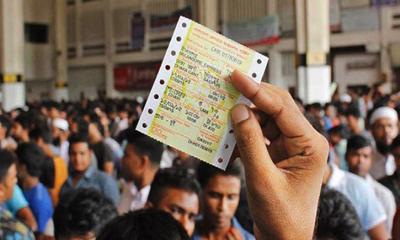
[88,80]
[356,69]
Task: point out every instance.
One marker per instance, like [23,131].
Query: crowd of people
[81,171]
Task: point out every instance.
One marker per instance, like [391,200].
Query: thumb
[251,141]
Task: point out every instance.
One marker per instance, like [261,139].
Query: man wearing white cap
[60,133]
[384,128]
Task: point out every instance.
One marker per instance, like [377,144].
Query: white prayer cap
[383,112]
[345,98]
[61,124]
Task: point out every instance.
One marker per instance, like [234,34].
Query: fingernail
[239,114]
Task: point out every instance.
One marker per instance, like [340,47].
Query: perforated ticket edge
[228,141]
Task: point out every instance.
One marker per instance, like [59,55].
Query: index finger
[275,102]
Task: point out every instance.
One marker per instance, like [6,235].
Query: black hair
[356,142]
[177,178]
[82,211]
[83,125]
[205,172]
[25,120]
[30,155]
[145,145]
[149,224]
[42,132]
[78,138]
[7,159]
[353,111]
[395,143]
[337,218]
[341,130]
[5,122]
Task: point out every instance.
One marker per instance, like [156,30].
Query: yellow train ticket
[189,104]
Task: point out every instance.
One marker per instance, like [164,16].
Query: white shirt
[132,198]
[64,151]
[382,166]
[385,196]
[360,194]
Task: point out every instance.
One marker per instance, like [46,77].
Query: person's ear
[145,160]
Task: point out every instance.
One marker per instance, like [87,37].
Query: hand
[284,178]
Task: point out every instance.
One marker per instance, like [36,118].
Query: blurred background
[319,50]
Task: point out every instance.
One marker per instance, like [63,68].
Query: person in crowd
[140,164]
[149,224]
[30,160]
[337,137]
[369,209]
[330,117]
[356,123]
[337,219]
[358,156]
[6,142]
[60,134]
[10,228]
[55,171]
[21,127]
[185,160]
[392,182]
[101,149]
[19,208]
[176,191]
[83,174]
[384,128]
[82,213]
[220,198]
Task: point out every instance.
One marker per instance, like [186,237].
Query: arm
[26,216]
[378,232]
[284,178]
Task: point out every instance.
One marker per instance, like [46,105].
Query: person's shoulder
[246,235]
[10,228]
[102,177]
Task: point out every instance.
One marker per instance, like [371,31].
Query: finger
[275,102]
[250,142]
[268,125]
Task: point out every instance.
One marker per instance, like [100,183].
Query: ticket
[189,104]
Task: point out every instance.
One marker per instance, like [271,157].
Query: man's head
[395,150]
[176,190]
[149,224]
[41,135]
[5,125]
[59,130]
[337,218]
[142,156]
[358,155]
[384,127]
[30,160]
[79,153]
[353,117]
[81,214]
[21,126]
[221,190]
[8,174]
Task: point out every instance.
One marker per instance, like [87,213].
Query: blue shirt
[17,201]
[96,179]
[361,195]
[42,207]
[235,223]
